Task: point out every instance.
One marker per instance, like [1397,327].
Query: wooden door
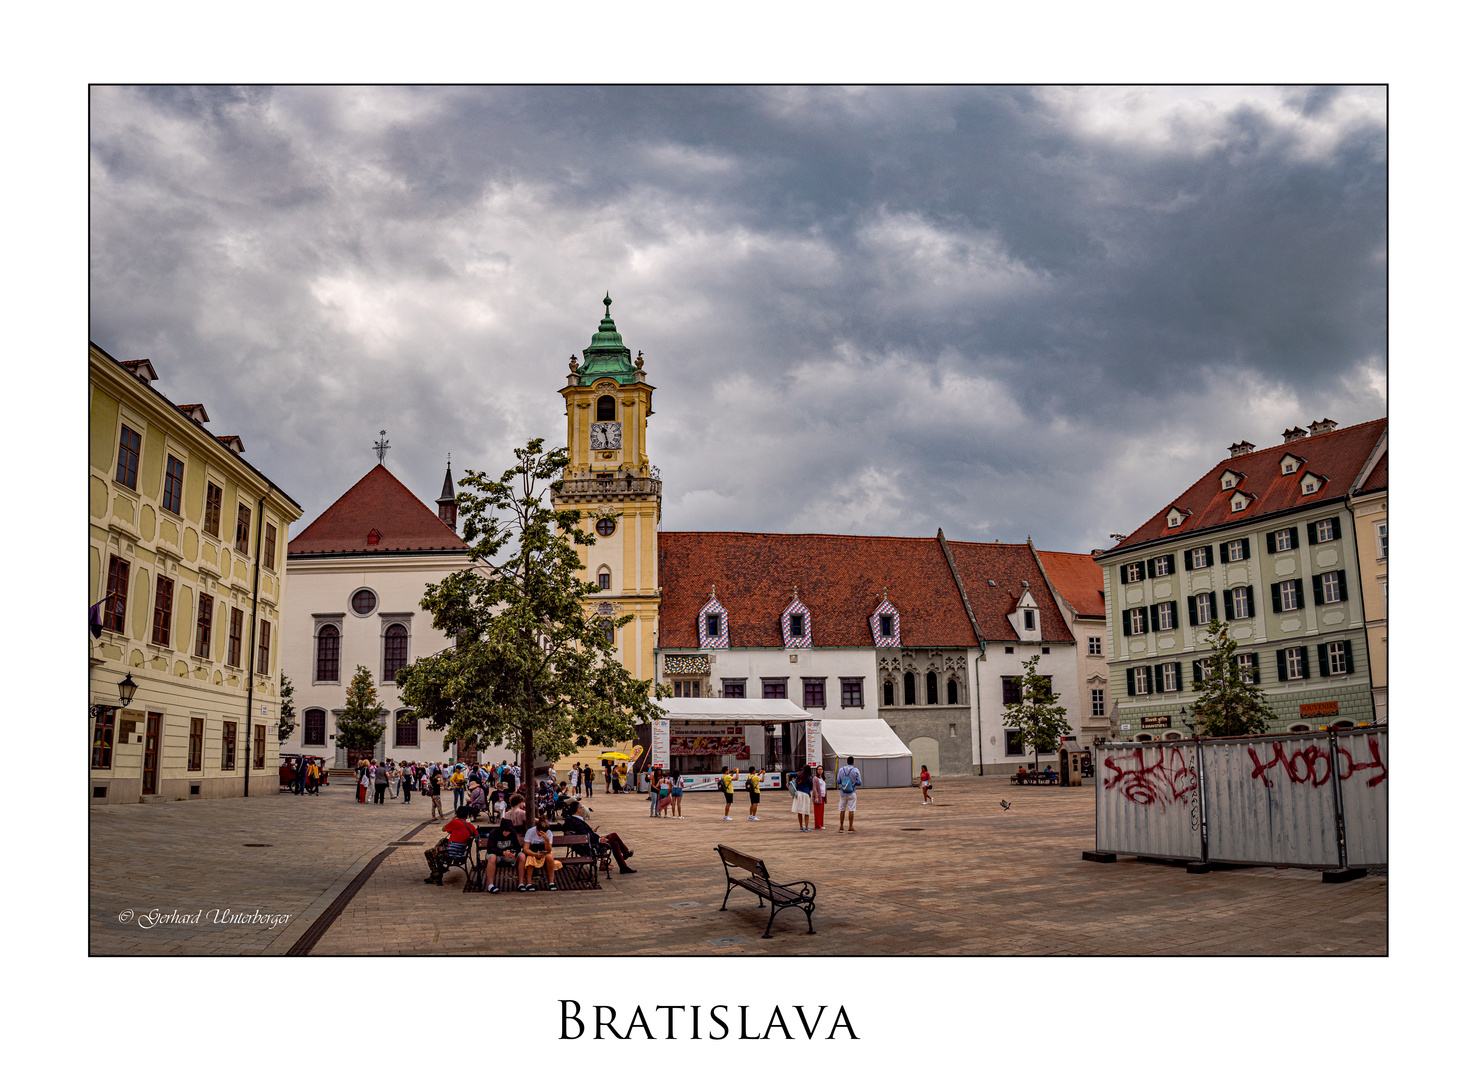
[151,753]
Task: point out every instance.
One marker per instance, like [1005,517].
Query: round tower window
[606,526]
[363,602]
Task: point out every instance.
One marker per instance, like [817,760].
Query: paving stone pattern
[976,880]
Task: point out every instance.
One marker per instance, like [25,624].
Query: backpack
[726,784]
[848,781]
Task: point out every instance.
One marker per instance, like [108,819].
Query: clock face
[606,436]
[605,526]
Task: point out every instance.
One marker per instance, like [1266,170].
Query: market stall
[700,736]
[882,758]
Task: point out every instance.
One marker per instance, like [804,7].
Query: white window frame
[1325,525]
[1331,588]
[1137,615]
[1096,702]
[1233,550]
[1162,565]
[1287,590]
[1142,682]
[1198,559]
[1134,572]
[1169,677]
[1241,602]
[1337,658]
[1380,532]
[1284,539]
[1205,608]
[1244,665]
[1293,659]
[1096,646]
[1206,667]
[1165,615]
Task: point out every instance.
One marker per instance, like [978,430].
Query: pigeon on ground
[1004,803]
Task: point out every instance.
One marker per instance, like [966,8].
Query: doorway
[151,753]
[924,752]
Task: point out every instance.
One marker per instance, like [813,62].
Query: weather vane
[381,445]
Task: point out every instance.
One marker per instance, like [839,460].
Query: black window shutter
[1223,554]
[1300,602]
[1178,684]
[1209,554]
[1195,673]
[1277,597]
[1174,616]
[1318,596]
[1230,604]
[1125,618]
[1281,666]
[1312,532]
[1124,574]
[1149,568]
[1160,678]
[1337,528]
[1188,564]
[1255,670]
[1342,584]
[1149,613]
[1347,651]
[1322,661]
[1305,672]
[1271,543]
[1245,549]
[1130,680]
[1191,607]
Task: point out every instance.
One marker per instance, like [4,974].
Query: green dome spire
[607,355]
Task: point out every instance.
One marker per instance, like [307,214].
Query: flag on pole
[95,619]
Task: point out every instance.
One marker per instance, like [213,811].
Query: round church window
[363,602]
[606,526]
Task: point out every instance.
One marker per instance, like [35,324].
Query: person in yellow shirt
[727,787]
[752,785]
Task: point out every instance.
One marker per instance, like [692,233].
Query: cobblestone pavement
[962,877]
[198,857]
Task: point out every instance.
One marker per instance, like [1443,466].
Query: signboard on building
[708,739]
[813,742]
[659,740]
[1154,721]
[1321,708]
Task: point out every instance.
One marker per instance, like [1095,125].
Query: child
[539,853]
[459,834]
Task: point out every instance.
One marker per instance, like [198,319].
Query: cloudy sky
[1003,311]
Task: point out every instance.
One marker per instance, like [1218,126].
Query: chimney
[1238,448]
[1293,434]
[1322,427]
[1096,552]
[446,504]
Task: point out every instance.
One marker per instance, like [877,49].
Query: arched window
[888,692]
[326,655]
[952,691]
[313,727]
[1144,738]
[909,689]
[407,732]
[607,407]
[932,688]
[607,629]
[397,642]
[605,579]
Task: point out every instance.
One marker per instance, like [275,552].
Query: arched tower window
[952,691]
[397,640]
[326,655]
[888,689]
[932,688]
[607,407]
[909,689]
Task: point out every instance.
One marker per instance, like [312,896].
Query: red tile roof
[840,579]
[378,502]
[1378,478]
[1007,566]
[1338,455]
[1079,579]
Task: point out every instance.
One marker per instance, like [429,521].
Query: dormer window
[886,625]
[795,625]
[1311,482]
[1239,501]
[713,625]
[1229,480]
[1290,464]
[1174,517]
[373,537]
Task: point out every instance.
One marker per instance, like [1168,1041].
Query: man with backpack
[727,788]
[848,779]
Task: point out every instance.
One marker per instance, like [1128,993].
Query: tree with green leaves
[1037,715]
[1229,704]
[532,668]
[286,708]
[359,726]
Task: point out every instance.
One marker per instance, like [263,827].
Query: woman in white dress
[801,803]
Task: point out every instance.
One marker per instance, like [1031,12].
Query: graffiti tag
[1312,764]
[1154,777]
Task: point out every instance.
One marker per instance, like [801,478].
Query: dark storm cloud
[998,311]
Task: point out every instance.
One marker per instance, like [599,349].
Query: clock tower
[610,481]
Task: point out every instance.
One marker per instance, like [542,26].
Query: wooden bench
[582,866]
[1034,779]
[759,883]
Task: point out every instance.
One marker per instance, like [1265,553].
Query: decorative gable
[1291,463]
[713,617]
[1025,616]
[796,613]
[1230,479]
[1312,483]
[886,641]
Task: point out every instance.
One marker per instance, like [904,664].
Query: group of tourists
[308,775]
[808,790]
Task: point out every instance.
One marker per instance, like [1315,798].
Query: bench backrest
[755,866]
[565,839]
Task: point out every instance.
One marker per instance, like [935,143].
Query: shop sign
[813,742]
[659,743]
[1321,708]
[1154,721]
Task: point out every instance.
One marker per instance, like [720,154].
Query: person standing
[801,803]
[588,779]
[511,778]
[926,787]
[458,788]
[848,779]
[727,787]
[752,785]
[382,781]
[676,793]
[572,780]
[433,789]
[407,781]
[362,780]
[818,796]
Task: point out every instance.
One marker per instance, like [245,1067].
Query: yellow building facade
[611,481]
[1370,528]
[186,577]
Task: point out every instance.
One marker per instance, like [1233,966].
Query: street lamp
[126,689]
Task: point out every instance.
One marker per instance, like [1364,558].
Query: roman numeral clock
[606,435]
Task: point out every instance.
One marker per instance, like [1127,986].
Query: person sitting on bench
[516,811]
[504,843]
[574,822]
[1022,774]
[539,853]
[459,834]
[475,799]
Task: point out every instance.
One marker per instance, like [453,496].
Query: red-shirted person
[459,835]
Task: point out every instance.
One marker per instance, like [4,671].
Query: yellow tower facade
[612,483]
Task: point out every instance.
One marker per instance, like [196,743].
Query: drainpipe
[253,644]
[978,695]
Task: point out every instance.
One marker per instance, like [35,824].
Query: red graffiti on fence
[1163,781]
[1312,765]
